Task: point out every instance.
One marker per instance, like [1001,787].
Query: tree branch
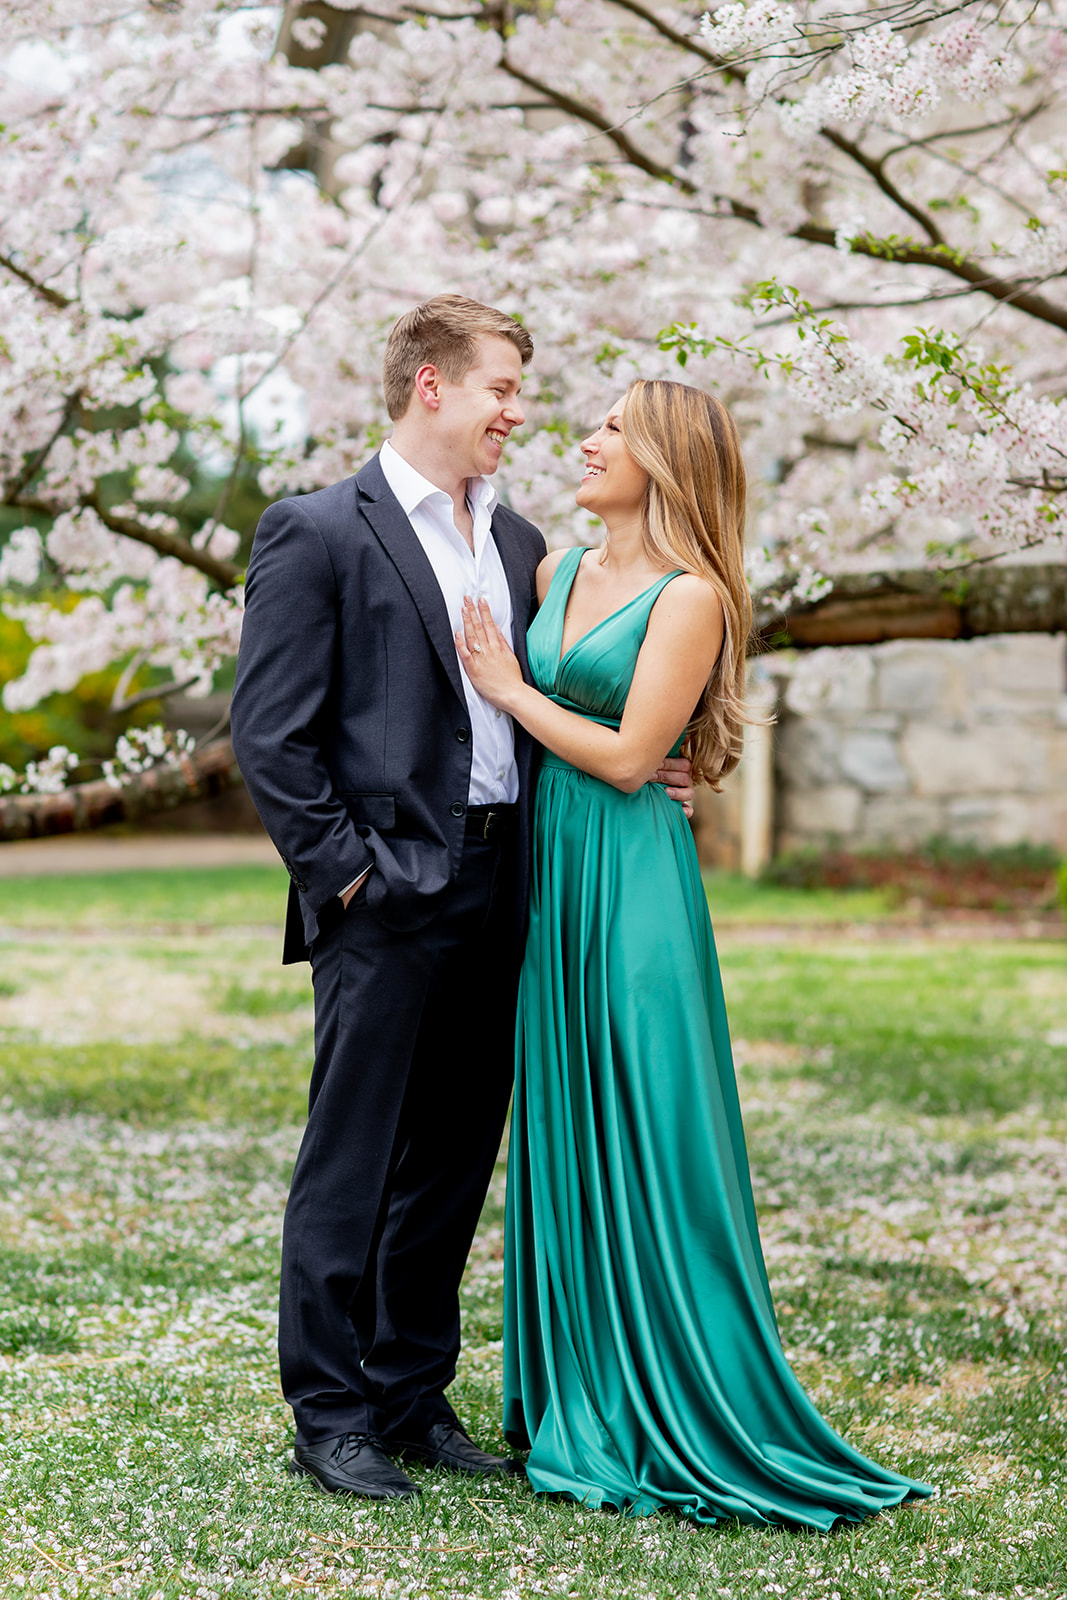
[969,603]
[935,254]
[34,462]
[595,119]
[691,45]
[120,704]
[875,169]
[85,806]
[53,296]
[1011,291]
[966,133]
[224,573]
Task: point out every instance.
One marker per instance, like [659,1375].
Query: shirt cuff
[354,884]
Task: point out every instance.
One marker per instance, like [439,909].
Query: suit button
[457,808]
[463,734]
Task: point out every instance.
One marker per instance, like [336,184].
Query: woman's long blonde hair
[694,518]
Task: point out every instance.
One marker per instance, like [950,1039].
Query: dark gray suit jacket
[349,718]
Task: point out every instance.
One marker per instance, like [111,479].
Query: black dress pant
[414,1057]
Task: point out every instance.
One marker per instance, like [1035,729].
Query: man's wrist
[345,894]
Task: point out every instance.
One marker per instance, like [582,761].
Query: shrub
[939,873]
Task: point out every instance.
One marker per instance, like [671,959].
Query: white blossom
[176,297]
[49,775]
[139,749]
[20,559]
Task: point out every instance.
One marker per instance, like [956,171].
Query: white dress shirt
[460,571]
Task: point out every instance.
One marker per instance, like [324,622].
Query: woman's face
[613,484]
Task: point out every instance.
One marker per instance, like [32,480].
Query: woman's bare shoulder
[546,570]
[691,595]
[688,614]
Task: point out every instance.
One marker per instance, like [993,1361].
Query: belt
[491,822]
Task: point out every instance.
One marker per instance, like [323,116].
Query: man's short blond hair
[442,333]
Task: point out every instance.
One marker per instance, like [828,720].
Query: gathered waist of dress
[557,762]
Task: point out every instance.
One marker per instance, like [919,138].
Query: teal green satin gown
[642,1362]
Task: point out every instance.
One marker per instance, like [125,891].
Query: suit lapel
[383,512]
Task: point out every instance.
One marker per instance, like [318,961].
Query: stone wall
[898,743]
[717,826]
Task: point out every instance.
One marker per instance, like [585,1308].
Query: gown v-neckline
[563,654]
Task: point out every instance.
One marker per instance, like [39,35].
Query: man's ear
[428,386]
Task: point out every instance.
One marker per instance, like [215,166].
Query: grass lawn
[252,895]
[905,1109]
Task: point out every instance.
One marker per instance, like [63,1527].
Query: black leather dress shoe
[446,1445]
[352,1463]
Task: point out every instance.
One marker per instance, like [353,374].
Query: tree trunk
[85,806]
[869,607]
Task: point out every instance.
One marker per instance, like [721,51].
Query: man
[398,800]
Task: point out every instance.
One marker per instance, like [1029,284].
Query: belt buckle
[487,825]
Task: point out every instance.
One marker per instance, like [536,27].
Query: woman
[643,1364]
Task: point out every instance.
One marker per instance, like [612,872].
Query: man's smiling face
[477,413]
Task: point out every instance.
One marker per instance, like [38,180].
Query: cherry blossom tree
[851,225]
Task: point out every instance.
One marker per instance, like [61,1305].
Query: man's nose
[516,415]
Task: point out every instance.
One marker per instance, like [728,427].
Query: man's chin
[478,466]
[492,454]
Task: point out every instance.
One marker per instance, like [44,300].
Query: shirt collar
[411,488]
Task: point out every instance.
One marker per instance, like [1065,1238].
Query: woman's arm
[681,644]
